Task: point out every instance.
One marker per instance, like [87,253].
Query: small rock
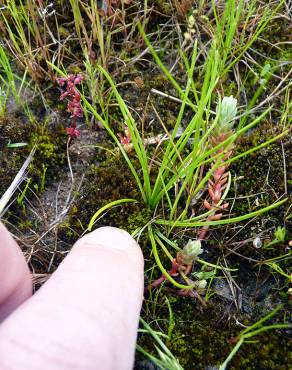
[222,289]
[257,243]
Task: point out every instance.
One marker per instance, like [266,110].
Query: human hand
[85,317]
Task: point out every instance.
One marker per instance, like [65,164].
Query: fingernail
[111,237]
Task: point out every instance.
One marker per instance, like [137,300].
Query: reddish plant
[68,85]
[183,263]
[127,139]
[216,186]
[177,265]
[218,183]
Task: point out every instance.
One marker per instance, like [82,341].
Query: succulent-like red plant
[68,85]
[218,183]
[127,139]
[183,262]
[216,186]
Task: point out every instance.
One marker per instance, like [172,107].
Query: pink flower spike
[77,96]
[61,81]
[63,95]
[74,101]
[73,132]
[78,79]
[71,78]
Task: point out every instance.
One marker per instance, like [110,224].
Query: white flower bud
[188,36]
[191,21]
[191,251]
[201,284]
[227,113]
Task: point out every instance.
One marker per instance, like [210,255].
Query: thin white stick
[15,183]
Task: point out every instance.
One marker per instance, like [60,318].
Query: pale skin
[85,317]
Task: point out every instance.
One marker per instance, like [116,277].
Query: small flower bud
[201,284]
[187,36]
[191,251]
[227,113]
[191,21]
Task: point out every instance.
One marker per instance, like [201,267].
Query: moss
[48,159]
[271,48]
[24,225]
[50,150]
[11,159]
[137,220]
[203,338]
[162,6]
[105,183]
[261,175]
